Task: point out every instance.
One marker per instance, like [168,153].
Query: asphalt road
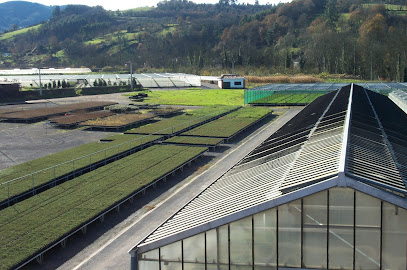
[110,250]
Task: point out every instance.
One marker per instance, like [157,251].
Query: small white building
[232,82]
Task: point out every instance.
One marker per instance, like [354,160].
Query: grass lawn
[198,97]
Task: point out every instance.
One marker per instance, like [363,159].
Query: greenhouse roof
[399,97]
[352,137]
[378,87]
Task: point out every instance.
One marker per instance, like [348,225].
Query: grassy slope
[13,34]
[389,7]
[113,37]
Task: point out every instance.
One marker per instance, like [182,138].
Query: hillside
[364,40]
[22,14]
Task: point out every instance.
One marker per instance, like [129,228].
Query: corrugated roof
[231,76]
[366,135]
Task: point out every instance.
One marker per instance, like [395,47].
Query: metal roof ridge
[345,141]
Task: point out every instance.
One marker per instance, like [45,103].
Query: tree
[373,33]
[53,44]
[14,27]
[331,13]
[56,12]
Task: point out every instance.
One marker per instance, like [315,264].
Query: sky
[128,4]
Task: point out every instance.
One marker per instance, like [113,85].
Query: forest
[361,39]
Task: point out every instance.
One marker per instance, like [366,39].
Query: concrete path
[110,251]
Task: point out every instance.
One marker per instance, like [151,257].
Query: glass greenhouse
[326,191]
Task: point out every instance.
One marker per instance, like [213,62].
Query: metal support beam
[134,260]
[40,258]
[63,243]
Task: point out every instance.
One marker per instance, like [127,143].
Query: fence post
[54,173]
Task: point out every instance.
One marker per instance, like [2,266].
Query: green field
[140,9]
[230,124]
[194,140]
[114,37]
[34,223]
[389,7]
[180,122]
[198,97]
[118,144]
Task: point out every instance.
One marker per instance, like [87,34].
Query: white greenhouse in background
[326,191]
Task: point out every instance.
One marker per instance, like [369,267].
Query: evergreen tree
[331,13]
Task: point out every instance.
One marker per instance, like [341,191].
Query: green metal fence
[281,98]
[303,94]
